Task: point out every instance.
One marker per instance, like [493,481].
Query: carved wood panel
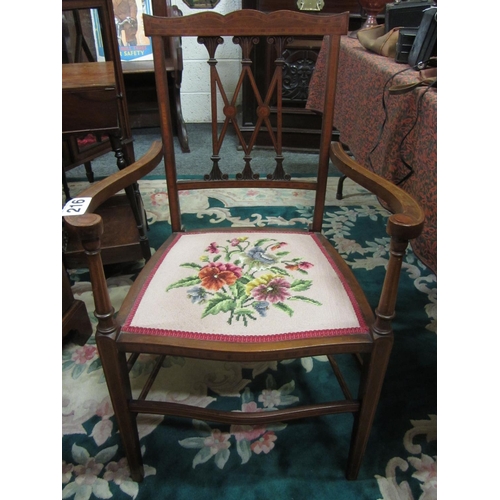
[301,127]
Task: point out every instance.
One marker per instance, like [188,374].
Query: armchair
[241,294]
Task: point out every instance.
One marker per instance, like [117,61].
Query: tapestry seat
[245,286]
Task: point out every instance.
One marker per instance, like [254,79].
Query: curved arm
[104,189]
[88,227]
[406,223]
[407,220]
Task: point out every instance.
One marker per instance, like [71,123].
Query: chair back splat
[248,294]
[247,29]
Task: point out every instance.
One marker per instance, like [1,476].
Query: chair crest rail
[238,24]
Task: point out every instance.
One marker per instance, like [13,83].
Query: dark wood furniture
[245,300]
[93,101]
[93,93]
[83,148]
[119,243]
[140,82]
[391,132]
[75,319]
[301,127]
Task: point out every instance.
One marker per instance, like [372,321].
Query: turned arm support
[89,228]
[405,223]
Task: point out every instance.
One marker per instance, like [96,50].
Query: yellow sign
[316,5]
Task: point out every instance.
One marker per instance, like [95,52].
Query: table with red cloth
[385,136]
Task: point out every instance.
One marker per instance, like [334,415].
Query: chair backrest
[248,28]
[164,8]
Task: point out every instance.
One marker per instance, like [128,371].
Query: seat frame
[372,350]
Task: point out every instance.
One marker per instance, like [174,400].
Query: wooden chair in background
[134,81]
[94,103]
[93,93]
[257,294]
[140,82]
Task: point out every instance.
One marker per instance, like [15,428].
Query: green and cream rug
[187,459]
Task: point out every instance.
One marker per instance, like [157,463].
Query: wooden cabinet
[140,84]
[301,128]
[75,318]
[93,93]
[94,102]
[90,98]
[138,75]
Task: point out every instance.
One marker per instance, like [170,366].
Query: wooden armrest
[104,189]
[407,220]
[89,226]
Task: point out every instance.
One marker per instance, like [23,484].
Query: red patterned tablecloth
[383,139]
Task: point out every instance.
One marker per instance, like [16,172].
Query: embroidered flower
[261,307]
[245,278]
[264,444]
[261,280]
[305,265]
[258,254]
[215,276]
[197,295]
[212,248]
[269,288]
[278,245]
[236,241]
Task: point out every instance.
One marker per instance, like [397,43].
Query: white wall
[195,91]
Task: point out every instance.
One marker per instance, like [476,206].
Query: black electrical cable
[382,127]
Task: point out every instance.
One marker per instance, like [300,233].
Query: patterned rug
[306,459]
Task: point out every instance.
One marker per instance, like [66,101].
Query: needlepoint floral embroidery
[243,279]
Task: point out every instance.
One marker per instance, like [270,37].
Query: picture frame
[133,44]
[201,4]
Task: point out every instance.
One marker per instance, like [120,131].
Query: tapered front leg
[372,379]
[89,228]
[114,365]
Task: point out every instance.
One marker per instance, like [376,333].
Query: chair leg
[177,106]
[340,187]
[114,365]
[88,171]
[372,379]
[67,193]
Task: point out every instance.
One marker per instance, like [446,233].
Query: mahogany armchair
[265,294]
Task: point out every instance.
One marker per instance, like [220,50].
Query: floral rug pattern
[299,460]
